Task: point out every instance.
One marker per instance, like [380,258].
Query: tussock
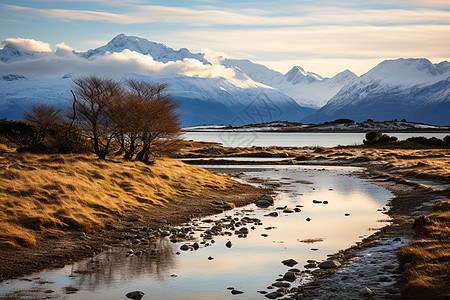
[77,192]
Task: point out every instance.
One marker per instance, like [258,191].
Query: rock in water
[267,198]
[274,295]
[135,295]
[329,264]
[289,276]
[263,203]
[236,292]
[229,244]
[289,262]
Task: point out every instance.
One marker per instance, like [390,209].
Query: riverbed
[346,209]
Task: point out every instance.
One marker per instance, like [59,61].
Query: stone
[308,219]
[365,291]
[289,276]
[347,214]
[325,202]
[135,295]
[274,295]
[273,214]
[310,266]
[236,292]
[289,262]
[297,209]
[280,284]
[288,211]
[329,264]
[267,198]
[210,258]
[263,203]
[229,244]
[184,247]
[317,201]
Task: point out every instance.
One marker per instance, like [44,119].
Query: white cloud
[111,63]
[62,49]
[138,14]
[28,45]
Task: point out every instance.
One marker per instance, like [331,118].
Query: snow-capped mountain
[411,89]
[202,100]
[157,51]
[306,88]
[298,75]
[11,53]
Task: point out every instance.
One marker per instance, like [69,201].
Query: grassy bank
[42,195]
[427,259]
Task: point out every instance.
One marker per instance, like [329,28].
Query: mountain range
[230,91]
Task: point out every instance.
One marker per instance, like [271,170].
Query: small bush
[343,121]
[376,137]
[410,255]
[421,222]
[433,141]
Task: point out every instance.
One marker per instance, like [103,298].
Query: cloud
[327,41]
[62,49]
[27,45]
[138,14]
[64,61]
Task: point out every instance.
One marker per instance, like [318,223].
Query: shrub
[433,141]
[421,222]
[343,121]
[376,137]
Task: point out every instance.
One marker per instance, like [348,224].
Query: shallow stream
[252,263]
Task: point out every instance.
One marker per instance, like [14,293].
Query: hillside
[412,89]
[43,196]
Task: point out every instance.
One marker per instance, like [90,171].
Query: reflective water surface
[293,139]
[252,263]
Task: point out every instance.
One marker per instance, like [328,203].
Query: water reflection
[253,262]
[114,267]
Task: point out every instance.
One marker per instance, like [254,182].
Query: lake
[292,139]
[252,263]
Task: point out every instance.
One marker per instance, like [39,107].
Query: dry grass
[428,276]
[78,192]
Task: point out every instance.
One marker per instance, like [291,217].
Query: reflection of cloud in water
[113,267]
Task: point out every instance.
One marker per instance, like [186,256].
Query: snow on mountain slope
[306,88]
[159,52]
[202,100]
[412,89]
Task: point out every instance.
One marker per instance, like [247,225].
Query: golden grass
[82,193]
[429,255]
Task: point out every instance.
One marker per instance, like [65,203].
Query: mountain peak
[158,51]
[409,71]
[297,75]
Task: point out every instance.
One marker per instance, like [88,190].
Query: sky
[324,37]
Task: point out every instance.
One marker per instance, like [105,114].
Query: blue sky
[325,37]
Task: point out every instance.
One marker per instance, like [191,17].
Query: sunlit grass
[78,192]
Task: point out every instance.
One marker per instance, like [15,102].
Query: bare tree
[94,95]
[45,118]
[159,122]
